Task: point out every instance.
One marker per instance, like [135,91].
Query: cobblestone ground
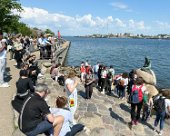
[112,114]
[6,94]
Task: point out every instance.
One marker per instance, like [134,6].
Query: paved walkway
[6,94]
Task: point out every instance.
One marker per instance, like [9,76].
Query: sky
[85,17]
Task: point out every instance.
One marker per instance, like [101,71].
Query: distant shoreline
[156,38]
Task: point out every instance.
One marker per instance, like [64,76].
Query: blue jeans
[160,117]
[44,127]
[75,129]
[2,69]
[122,91]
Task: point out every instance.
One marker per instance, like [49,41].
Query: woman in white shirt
[70,87]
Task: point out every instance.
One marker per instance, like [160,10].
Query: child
[67,129]
[147,106]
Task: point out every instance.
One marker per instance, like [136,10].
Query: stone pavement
[6,94]
[103,115]
[107,115]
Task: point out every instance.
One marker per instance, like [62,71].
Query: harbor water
[124,54]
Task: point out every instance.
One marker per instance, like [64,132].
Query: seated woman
[54,71]
[24,87]
[56,74]
[33,69]
[68,129]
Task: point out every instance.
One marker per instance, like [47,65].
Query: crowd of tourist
[20,49]
[126,86]
[35,117]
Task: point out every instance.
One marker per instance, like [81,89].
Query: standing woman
[18,52]
[103,79]
[89,80]
[70,86]
[137,100]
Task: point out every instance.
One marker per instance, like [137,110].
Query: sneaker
[160,133]
[4,85]
[103,92]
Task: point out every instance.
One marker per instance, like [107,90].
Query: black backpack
[61,80]
[109,75]
[159,104]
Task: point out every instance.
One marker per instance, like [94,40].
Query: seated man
[35,117]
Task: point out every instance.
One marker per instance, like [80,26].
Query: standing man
[2,61]
[35,117]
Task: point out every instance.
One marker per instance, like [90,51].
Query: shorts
[43,127]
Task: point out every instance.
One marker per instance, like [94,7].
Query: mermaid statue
[147,65]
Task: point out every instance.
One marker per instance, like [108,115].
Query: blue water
[123,53]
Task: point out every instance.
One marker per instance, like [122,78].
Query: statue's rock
[147,77]
[151,89]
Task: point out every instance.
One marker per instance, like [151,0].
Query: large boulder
[149,78]
[151,89]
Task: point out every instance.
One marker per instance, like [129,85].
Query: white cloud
[119,23]
[42,18]
[136,25]
[119,5]
[162,25]
[78,25]
[86,20]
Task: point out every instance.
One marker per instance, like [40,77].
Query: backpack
[109,75]
[159,104]
[145,98]
[137,95]
[121,82]
[61,80]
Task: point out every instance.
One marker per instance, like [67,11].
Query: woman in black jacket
[24,88]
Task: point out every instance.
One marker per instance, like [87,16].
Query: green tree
[7,19]
[48,31]
[24,29]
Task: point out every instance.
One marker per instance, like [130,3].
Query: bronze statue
[147,65]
